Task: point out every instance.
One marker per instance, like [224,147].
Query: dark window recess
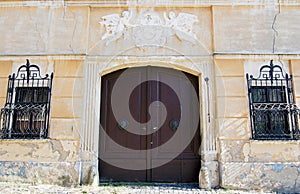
[27,108]
[273,112]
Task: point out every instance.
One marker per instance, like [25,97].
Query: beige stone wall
[295,68]
[66,102]
[43,30]
[233,38]
[5,70]
[231,98]
[62,146]
[259,29]
[245,163]
[67,99]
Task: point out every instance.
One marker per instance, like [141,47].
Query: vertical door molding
[89,134]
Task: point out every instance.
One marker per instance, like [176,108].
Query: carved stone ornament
[148,28]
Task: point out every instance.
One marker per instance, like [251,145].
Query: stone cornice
[158,3]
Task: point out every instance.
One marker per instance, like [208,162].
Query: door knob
[174,123]
[123,124]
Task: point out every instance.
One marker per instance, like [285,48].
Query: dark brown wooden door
[160,96]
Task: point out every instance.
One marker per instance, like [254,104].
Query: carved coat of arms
[147,28]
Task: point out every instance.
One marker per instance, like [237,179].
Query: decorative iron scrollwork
[273,112]
[26,112]
[29,72]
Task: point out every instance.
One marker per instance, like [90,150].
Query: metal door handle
[123,124]
[174,123]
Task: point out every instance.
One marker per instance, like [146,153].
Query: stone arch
[95,68]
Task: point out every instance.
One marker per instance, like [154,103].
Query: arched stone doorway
[96,68]
[148,157]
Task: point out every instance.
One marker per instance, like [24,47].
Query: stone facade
[224,41]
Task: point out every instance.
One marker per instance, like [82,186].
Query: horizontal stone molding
[146,3]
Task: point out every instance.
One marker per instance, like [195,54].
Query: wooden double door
[155,106]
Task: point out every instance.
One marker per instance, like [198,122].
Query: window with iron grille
[273,113]
[27,108]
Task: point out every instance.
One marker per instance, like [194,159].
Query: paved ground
[11,188]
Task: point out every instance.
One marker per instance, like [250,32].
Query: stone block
[232,150]
[274,151]
[2,102]
[43,29]
[89,173]
[287,33]
[297,86]
[247,33]
[68,68]
[298,101]
[65,128]
[3,87]
[231,128]
[295,63]
[276,177]
[60,173]
[229,67]
[39,150]
[68,87]
[232,107]
[209,175]
[66,107]
[231,86]
[5,69]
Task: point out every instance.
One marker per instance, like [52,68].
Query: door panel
[185,167]
[122,137]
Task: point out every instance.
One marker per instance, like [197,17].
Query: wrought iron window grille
[26,111]
[273,112]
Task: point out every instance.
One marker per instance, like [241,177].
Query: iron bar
[27,109]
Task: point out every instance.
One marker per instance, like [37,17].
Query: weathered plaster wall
[43,30]
[246,163]
[53,160]
[5,70]
[260,29]
[65,37]
[295,68]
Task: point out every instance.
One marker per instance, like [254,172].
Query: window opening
[27,107]
[273,112]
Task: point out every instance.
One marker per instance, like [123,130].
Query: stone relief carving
[182,25]
[116,26]
[148,28]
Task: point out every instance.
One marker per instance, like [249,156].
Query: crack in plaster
[275,32]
